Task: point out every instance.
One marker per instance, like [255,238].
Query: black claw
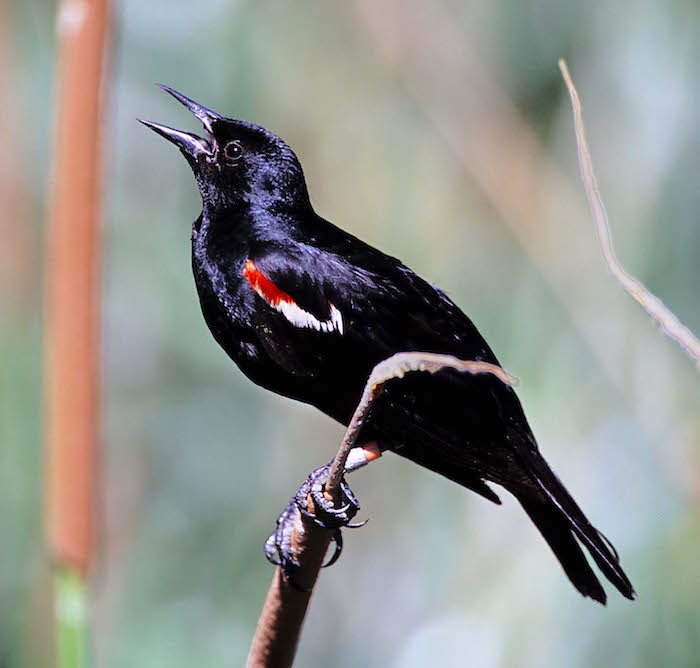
[325,513]
[337,512]
[337,538]
[278,548]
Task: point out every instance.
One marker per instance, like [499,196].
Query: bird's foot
[322,511]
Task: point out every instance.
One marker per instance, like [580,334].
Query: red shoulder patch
[264,286]
[282,302]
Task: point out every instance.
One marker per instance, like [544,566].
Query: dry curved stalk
[277,634]
[649,302]
[397,366]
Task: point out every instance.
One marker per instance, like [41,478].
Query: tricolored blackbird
[307,310]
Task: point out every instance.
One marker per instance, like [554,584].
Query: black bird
[307,310]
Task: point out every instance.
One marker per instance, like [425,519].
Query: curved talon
[339,511]
[305,512]
[337,538]
[278,547]
[325,513]
[321,501]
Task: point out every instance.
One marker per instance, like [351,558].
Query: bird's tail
[561,522]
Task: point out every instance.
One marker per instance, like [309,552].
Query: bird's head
[237,163]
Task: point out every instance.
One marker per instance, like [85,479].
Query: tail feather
[556,531]
[558,503]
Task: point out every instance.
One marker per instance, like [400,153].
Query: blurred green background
[440,132]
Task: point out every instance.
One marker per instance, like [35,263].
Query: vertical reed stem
[71,331]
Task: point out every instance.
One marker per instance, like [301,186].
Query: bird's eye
[233,151]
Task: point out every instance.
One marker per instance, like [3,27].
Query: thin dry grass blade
[649,302]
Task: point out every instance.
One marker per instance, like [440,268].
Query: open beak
[187,142]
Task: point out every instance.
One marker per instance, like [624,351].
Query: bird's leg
[314,503]
[363,455]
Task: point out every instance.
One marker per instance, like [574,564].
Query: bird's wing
[320,313]
[387,308]
[300,302]
[341,318]
[299,294]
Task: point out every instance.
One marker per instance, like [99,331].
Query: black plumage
[306,310]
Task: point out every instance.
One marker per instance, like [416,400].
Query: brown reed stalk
[71,322]
[71,331]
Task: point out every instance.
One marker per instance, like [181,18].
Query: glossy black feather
[471,429]
[557,531]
